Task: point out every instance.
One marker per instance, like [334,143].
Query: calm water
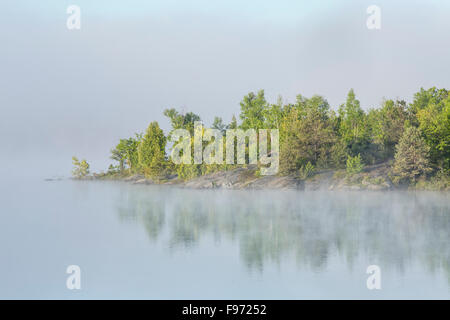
[166,243]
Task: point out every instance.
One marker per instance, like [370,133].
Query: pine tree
[152,151]
[411,157]
[233,124]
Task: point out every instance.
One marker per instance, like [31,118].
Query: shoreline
[373,178]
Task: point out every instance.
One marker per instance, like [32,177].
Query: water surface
[160,242]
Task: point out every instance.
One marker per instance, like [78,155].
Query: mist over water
[67,93]
[139,242]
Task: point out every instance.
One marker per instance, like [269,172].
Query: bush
[339,174]
[306,171]
[81,169]
[378,180]
[188,171]
[113,169]
[439,182]
[354,165]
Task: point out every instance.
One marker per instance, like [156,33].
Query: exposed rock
[376,187]
[134,178]
[320,181]
[245,178]
[275,182]
[242,178]
[372,178]
[143,181]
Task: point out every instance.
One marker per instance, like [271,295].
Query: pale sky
[65,93]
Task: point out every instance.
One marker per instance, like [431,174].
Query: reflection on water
[396,230]
[160,242]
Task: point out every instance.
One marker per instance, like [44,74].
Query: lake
[161,242]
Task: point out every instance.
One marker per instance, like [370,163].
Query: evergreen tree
[411,157]
[233,123]
[219,125]
[152,151]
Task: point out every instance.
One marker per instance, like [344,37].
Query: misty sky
[65,93]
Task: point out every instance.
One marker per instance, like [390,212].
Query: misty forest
[410,139]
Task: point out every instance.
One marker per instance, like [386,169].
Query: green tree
[338,154]
[434,124]
[132,156]
[126,153]
[424,98]
[411,157]
[306,135]
[181,121]
[118,154]
[316,103]
[233,124]
[152,151]
[252,110]
[354,165]
[81,169]
[387,125]
[219,125]
[353,128]
[273,114]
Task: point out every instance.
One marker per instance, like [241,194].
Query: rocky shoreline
[372,178]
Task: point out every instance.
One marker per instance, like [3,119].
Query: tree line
[414,138]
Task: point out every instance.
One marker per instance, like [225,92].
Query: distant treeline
[414,137]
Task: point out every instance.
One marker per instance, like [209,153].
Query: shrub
[354,165]
[81,169]
[339,174]
[188,171]
[439,182]
[306,171]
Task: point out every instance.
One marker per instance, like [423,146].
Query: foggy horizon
[67,93]
[199,151]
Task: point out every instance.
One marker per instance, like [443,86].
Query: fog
[65,93]
[161,242]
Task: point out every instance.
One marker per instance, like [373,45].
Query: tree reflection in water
[396,229]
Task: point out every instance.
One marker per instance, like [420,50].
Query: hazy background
[65,93]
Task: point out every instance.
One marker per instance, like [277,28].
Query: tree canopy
[415,137]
